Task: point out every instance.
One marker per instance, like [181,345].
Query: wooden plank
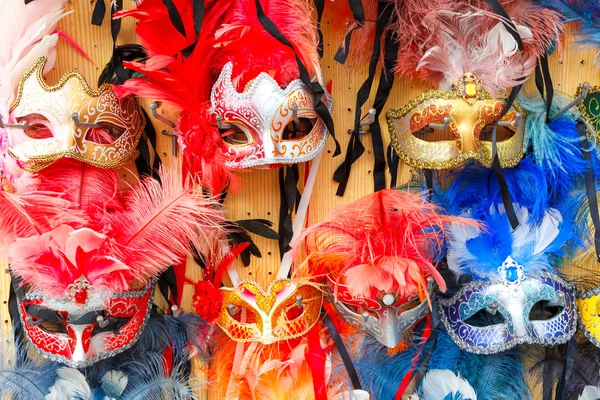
[258,196]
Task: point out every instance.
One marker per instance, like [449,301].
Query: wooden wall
[259,194]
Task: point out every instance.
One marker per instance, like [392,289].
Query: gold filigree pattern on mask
[56,104]
[589,109]
[470,109]
[270,321]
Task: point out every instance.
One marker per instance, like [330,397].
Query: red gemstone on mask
[81,296]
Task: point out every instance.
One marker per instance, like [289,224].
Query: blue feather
[143,364]
[499,376]
[556,145]
[585,12]
[475,186]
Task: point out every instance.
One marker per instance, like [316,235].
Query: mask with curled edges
[264,132]
[472,112]
[286,310]
[50,110]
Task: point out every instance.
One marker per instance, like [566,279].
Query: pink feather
[161,220]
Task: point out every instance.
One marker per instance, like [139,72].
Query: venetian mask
[472,112]
[515,296]
[71,120]
[79,332]
[262,115]
[387,318]
[286,310]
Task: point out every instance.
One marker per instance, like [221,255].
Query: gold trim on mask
[592,120]
[470,109]
[269,322]
[95,106]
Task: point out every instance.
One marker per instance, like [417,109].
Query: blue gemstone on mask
[512,274]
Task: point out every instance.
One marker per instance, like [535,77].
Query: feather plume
[441,40]
[159,222]
[531,245]
[387,241]
[71,384]
[585,14]
[445,384]
[114,383]
[497,376]
[556,145]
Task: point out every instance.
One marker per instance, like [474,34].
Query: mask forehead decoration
[514,283]
[85,262]
[379,264]
[459,52]
[57,134]
[286,310]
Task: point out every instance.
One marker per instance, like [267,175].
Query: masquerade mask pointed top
[248,106]
[474,59]
[379,259]
[84,268]
[71,120]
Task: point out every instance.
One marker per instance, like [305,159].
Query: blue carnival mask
[515,295]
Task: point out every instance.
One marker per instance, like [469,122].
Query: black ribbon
[393,163]
[320,7]
[386,82]
[547,79]
[429,182]
[570,352]
[355,147]
[168,281]
[590,188]
[496,167]
[289,199]
[316,88]
[358,13]
[339,343]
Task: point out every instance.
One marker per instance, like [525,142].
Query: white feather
[114,383]
[70,384]
[28,33]
[439,383]
[548,231]
[590,393]
[352,395]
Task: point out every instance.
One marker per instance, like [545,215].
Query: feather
[441,40]
[445,384]
[388,245]
[556,145]
[159,222]
[114,383]
[71,384]
[590,393]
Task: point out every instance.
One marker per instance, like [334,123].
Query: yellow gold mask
[285,311]
[470,109]
[588,304]
[57,135]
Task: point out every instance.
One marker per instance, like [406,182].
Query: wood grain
[258,196]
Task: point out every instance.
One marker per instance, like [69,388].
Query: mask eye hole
[53,327]
[484,317]
[42,126]
[298,130]
[433,135]
[235,313]
[502,133]
[545,310]
[107,135]
[235,135]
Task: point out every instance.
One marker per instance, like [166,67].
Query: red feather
[384,242]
